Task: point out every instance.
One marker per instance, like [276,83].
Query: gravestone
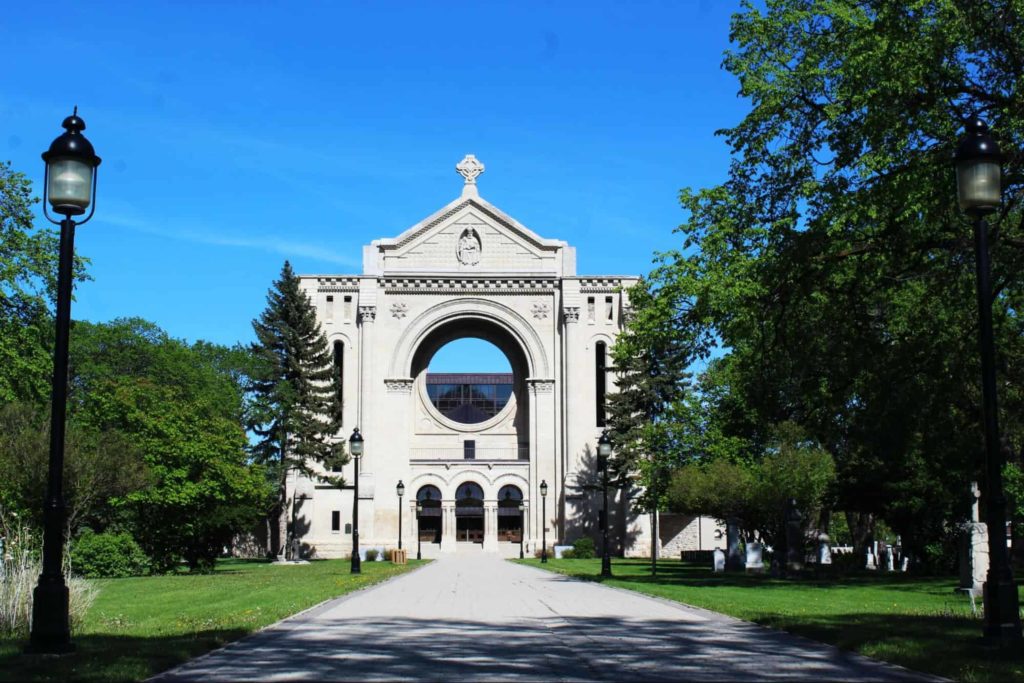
[719,560]
[794,538]
[824,549]
[755,561]
[974,549]
[870,562]
[733,558]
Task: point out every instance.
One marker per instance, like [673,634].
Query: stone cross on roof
[469,168]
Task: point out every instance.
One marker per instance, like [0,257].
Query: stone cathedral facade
[473,450]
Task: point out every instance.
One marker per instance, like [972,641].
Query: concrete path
[475,617]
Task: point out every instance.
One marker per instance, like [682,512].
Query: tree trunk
[654,542]
[268,540]
[862,531]
[282,518]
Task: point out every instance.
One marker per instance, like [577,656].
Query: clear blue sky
[235,135]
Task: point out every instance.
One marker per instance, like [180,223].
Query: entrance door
[428,516]
[469,513]
[510,514]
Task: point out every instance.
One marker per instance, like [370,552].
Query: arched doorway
[428,500]
[469,513]
[510,514]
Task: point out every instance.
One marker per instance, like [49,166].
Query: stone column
[448,527]
[543,444]
[491,526]
[527,536]
[974,549]
[367,315]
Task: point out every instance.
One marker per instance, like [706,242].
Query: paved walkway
[475,617]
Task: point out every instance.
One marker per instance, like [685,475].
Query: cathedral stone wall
[468,270]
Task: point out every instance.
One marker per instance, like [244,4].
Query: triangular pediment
[470,236]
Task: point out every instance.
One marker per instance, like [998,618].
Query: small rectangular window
[590,309]
[348,309]
[329,309]
[609,307]
[348,528]
[335,521]
[469,449]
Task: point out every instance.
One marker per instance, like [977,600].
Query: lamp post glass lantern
[979,192]
[400,490]
[544,521]
[355,447]
[69,188]
[604,451]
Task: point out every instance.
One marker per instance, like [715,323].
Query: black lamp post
[544,521]
[355,447]
[419,539]
[70,188]
[522,529]
[604,450]
[400,490]
[979,189]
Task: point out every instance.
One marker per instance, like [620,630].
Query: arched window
[469,490]
[510,493]
[339,373]
[429,493]
[601,379]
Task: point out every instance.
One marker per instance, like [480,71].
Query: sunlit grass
[140,626]
[920,623]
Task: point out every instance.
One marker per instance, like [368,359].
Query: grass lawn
[919,623]
[140,626]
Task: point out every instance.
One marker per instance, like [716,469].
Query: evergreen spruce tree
[646,416]
[297,409]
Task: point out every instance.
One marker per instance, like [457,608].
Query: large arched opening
[470,374]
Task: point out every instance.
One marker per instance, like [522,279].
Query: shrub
[107,555]
[583,548]
[20,567]
[371,554]
[568,554]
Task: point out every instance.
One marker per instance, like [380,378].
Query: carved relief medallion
[399,310]
[540,311]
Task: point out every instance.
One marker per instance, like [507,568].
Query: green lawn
[140,626]
[918,623]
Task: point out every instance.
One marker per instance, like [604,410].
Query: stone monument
[824,549]
[733,558]
[974,549]
[719,560]
[755,561]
